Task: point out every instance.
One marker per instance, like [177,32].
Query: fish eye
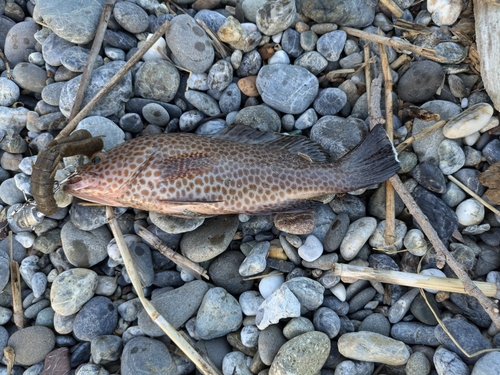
[97,158]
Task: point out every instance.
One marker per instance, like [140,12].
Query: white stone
[464,103]
[270,283]
[186,276]
[279,305]
[471,140]
[26,239]
[114,252]
[377,239]
[279,57]
[470,212]
[235,363]
[198,81]
[433,272]
[415,242]
[451,157]
[493,123]
[444,12]
[469,121]
[157,51]
[311,249]
[249,336]
[339,291]
[356,236]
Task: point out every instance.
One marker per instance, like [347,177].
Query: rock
[203,102]
[236,363]
[330,101]
[16,52]
[29,77]
[451,157]
[131,17]
[469,121]
[106,348]
[444,12]
[413,333]
[96,318]
[157,80]
[281,304]
[111,103]
[488,364]
[327,321]
[31,344]
[339,12]
[304,354]
[271,340]
[219,314]
[72,289]
[269,284]
[311,249]
[291,79]
[377,323]
[470,212]
[9,92]
[97,126]
[373,347]
[75,59]
[418,364]
[331,44]
[274,17]
[357,235]
[173,224]
[259,117]
[308,292]
[143,352]
[210,239]
[430,177]
[255,262]
[190,45]
[419,83]
[446,361]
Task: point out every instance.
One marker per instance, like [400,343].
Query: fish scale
[239,170]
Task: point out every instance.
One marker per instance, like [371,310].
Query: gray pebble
[53,47]
[38,284]
[143,352]
[189,120]
[250,64]
[131,122]
[31,344]
[420,82]
[451,157]
[22,31]
[157,80]
[377,323]
[220,75]
[219,314]
[313,61]
[418,364]
[203,102]
[453,195]
[97,317]
[88,218]
[259,117]
[413,333]
[430,177]
[75,59]
[330,101]
[230,99]
[290,42]
[249,302]
[29,77]
[101,126]
[155,114]
[119,39]
[327,321]
[448,362]
[308,292]
[51,93]
[106,348]
[141,256]
[255,262]
[361,299]
[347,367]
[45,317]
[5,315]
[308,40]
[331,44]
[131,17]
[9,92]
[271,340]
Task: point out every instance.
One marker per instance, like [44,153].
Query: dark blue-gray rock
[468,336]
[210,239]
[271,339]
[488,364]
[131,17]
[119,39]
[51,93]
[430,177]
[422,311]
[351,205]
[440,216]
[361,299]
[469,177]
[491,151]
[31,344]
[290,42]
[155,114]
[5,25]
[29,77]
[190,45]
[141,256]
[96,318]
[203,102]
[157,80]
[331,44]
[219,314]
[420,82]
[447,362]
[67,20]
[413,333]
[131,122]
[145,353]
[259,117]
[452,52]
[4,269]
[53,47]
[337,135]
[80,353]
[250,64]
[327,321]
[112,103]
[224,272]
[230,99]
[305,354]
[20,42]
[88,218]
[106,348]
[75,59]
[377,323]
[471,309]
[330,101]
[308,40]
[313,61]
[336,232]
[376,204]
[176,306]
[354,13]
[287,88]
[168,278]
[212,19]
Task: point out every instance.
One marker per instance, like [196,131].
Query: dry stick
[390,209]
[423,133]
[94,52]
[114,80]
[15,282]
[425,52]
[191,267]
[471,289]
[10,357]
[393,8]
[368,75]
[374,112]
[474,195]
[413,280]
[6,62]
[201,363]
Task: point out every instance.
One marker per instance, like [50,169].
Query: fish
[239,170]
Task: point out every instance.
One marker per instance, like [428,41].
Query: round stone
[9,92]
[469,121]
[470,212]
[331,44]
[155,114]
[96,318]
[146,353]
[357,235]
[29,77]
[20,39]
[311,249]
[420,82]
[31,344]
[157,80]
[451,157]
[131,17]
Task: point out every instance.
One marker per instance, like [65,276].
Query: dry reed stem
[15,282]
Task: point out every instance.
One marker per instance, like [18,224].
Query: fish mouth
[77,183]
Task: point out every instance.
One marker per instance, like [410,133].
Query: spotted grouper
[238,170]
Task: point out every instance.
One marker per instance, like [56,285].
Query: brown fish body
[239,170]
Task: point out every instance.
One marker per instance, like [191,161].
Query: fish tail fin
[372,161]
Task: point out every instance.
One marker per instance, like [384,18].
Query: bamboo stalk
[203,364]
[474,195]
[390,209]
[94,52]
[413,280]
[425,52]
[113,81]
[191,267]
[393,8]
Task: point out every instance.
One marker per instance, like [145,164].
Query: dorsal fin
[295,144]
